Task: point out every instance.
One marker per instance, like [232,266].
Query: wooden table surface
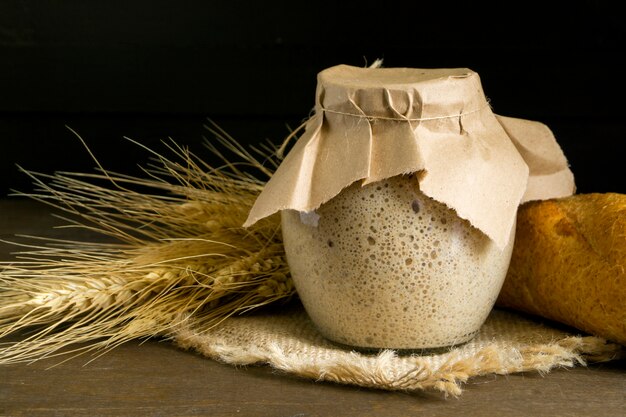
[156,379]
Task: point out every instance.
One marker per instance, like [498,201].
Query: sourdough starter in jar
[384,266]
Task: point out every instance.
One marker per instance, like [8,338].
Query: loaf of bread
[569,263]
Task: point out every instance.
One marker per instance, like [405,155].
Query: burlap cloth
[288,341]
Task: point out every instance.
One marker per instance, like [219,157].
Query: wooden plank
[158,379]
[155,378]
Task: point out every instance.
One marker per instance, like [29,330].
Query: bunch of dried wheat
[181,252]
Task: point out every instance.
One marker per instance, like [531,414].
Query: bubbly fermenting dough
[385,266]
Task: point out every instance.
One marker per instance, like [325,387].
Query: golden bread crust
[569,263]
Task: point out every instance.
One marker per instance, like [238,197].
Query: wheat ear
[180,253]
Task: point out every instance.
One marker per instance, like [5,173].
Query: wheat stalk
[181,253]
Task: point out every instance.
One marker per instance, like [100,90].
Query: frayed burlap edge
[238,345]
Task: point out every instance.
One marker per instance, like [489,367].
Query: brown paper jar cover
[375,123]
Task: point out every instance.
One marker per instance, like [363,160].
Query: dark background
[152,69]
